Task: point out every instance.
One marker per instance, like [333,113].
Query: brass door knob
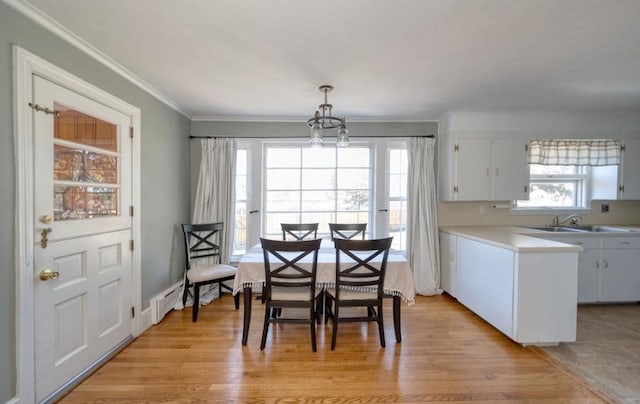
[47,274]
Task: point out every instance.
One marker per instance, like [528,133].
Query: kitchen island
[524,286]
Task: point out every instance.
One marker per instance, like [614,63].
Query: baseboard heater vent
[163,303]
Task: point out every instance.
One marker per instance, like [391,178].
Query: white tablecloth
[398,279]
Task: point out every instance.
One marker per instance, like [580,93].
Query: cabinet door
[628,178]
[620,275]
[472,169]
[588,276]
[448,263]
[510,172]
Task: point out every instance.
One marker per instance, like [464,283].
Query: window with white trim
[288,181]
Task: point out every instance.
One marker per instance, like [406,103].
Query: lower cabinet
[529,296]
[448,263]
[608,268]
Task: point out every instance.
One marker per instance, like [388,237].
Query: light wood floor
[447,354]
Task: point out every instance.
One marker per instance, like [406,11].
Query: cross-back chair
[360,270]
[347,230]
[202,243]
[299,231]
[290,273]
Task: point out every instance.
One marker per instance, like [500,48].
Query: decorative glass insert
[86,166]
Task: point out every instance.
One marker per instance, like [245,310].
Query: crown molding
[33,13]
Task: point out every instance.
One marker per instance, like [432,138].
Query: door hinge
[455,189]
[131,132]
[621,188]
[526,147]
[131,245]
[526,189]
[133,312]
[623,148]
[131,210]
[456,147]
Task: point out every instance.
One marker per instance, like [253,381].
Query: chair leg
[196,303]
[265,326]
[312,322]
[319,307]
[381,326]
[236,300]
[185,293]
[327,308]
[334,332]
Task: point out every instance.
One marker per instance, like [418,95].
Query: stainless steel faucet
[574,218]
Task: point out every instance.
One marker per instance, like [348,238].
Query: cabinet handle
[605,264]
[625,242]
[597,264]
[486,171]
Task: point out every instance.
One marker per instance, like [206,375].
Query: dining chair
[347,230]
[299,231]
[290,283]
[360,270]
[202,243]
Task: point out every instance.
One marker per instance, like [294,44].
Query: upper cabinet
[483,168]
[628,178]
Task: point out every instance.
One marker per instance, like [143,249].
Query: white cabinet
[529,296]
[448,263]
[628,178]
[483,168]
[608,268]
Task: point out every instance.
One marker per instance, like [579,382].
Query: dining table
[398,280]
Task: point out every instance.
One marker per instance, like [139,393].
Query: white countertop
[526,239]
[512,238]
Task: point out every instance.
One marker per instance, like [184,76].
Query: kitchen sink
[582,229]
[561,229]
[602,229]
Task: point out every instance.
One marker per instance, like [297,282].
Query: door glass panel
[72,203]
[84,157]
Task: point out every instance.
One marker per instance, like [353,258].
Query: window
[240,229]
[309,185]
[398,165]
[289,181]
[556,186]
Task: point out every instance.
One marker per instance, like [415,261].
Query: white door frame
[27,64]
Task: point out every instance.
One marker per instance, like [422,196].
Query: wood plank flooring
[447,354]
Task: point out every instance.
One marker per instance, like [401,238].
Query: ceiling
[387,59]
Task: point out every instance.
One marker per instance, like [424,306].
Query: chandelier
[323,120]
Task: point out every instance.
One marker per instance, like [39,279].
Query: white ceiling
[388,59]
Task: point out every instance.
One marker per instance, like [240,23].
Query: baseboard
[14,400]
[163,302]
[146,320]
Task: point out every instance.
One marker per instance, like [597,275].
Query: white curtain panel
[214,201]
[423,251]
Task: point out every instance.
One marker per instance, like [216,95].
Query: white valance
[574,152]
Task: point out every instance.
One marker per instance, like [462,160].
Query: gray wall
[164,166]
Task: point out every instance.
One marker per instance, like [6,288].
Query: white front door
[82,228]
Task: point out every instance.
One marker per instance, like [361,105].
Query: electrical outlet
[604,208]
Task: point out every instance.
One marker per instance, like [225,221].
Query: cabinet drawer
[585,242]
[621,242]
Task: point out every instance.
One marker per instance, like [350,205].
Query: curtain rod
[281,137]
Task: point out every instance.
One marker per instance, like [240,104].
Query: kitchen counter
[512,238]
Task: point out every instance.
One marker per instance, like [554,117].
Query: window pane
[397,224]
[241,162]
[280,178]
[354,157]
[240,241]
[353,217]
[352,178]
[314,201]
[353,200]
[552,194]
[283,157]
[319,179]
[283,201]
[398,161]
[538,169]
[318,157]
[322,218]
[72,203]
